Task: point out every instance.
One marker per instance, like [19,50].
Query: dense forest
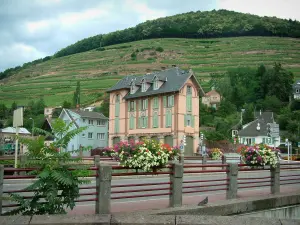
[208,24]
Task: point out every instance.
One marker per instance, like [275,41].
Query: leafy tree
[272,103]
[13,106]
[67,105]
[278,79]
[76,97]
[56,187]
[104,108]
[3,111]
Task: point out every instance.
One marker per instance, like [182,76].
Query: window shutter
[128,105]
[116,125]
[192,121]
[172,100]
[185,118]
[166,120]
[140,104]
[146,122]
[165,101]
[263,140]
[170,118]
[134,105]
[146,107]
[243,140]
[153,103]
[117,108]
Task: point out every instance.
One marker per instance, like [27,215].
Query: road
[141,203]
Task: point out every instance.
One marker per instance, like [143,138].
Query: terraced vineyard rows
[55,80]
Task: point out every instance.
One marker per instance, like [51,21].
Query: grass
[55,80]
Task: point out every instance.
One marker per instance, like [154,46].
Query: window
[170,101]
[189,90]
[144,104]
[144,122]
[189,99]
[132,89]
[117,106]
[90,122]
[297,90]
[131,106]
[83,120]
[155,120]
[169,118]
[155,85]
[100,136]
[188,120]
[101,122]
[143,85]
[83,135]
[155,103]
[131,122]
[90,135]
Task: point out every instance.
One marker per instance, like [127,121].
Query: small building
[96,134]
[48,111]
[296,90]
[7,140]
[163,106]
[257,132]
[89,108]
[211,99]
[47,126]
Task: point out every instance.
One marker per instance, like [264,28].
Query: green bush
[159,49]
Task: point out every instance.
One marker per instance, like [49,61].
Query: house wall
[260,139]
[82,139]
[212,99]
[178,128]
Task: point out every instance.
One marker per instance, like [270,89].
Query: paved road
[120,205]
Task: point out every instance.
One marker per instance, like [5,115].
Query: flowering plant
[260,155]
[215,153]
[145,155]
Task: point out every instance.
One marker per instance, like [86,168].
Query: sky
[33,29]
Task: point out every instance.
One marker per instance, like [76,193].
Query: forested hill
[208,24]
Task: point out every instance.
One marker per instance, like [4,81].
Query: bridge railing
[183,180]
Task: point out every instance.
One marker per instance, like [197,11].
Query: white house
[296,90]
[256,132]
[96,134]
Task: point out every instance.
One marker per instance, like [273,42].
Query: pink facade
[165,117]
[212,99]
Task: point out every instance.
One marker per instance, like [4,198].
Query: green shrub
[159,49]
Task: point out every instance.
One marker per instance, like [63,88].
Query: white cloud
[286,9]
[19,53]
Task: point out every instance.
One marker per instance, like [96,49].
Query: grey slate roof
[173,78]
[88,114]
[263,119]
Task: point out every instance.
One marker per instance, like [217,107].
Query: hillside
[55,79]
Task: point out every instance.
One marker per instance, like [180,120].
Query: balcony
[149,131]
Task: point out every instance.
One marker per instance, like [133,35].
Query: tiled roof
[263,119]
[173,79]
[88,114]
[12,130]
[211,93]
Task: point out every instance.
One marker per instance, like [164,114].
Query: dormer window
[143,85]
[132,89]
[155,85]
[297,90]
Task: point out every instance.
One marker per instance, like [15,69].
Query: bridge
[166,188]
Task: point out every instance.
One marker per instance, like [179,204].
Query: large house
[163,106]
[211,99]
[96,134]
[296,90]
[257,132]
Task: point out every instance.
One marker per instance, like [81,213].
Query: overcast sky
[32,29]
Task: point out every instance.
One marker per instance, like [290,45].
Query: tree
[104,108]
[67,105]
[277,79]
[57,186]
[3,111]
[13,107]
[76,97]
